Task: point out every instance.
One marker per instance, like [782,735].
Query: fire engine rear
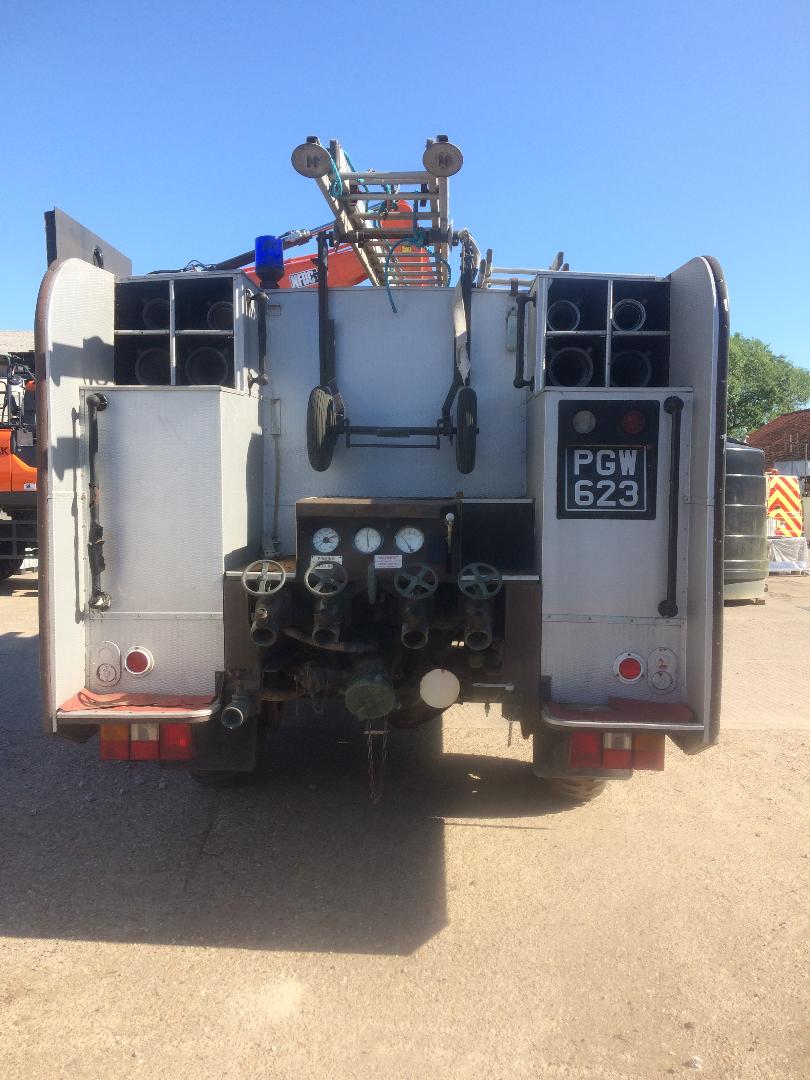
[462,484]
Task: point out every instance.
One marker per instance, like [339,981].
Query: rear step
[622,714]
[135,708]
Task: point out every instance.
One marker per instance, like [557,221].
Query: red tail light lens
[586,749]
[633,422]
[175,742]
[145,742]
[648,751]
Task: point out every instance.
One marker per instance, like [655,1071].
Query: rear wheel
[321,428]
[576,788]
[8,567]
[466,429]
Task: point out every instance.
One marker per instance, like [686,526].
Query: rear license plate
[606,480]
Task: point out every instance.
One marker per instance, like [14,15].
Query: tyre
[8,567]
[321,428]
[576,788]
[466,429]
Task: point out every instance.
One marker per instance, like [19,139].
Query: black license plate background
[606,478]
[607,473]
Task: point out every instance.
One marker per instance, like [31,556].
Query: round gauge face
[367,540]
[325,540]
[410,539]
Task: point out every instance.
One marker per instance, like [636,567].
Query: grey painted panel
[76,346]
[603,568]
[607,567]
[159,473]
[392,369]
[241,471]
[579,657]
[187,652]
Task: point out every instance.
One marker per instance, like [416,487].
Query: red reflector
[114,742]
[630,668]
[633,422]
[175,742]
[648,751]
[617,759]
[586,749]
[144,751]
[138,661]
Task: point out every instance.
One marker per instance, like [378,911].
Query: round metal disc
[442,159]
[312,160]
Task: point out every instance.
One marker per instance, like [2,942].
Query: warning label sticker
[388,562]
[325,560]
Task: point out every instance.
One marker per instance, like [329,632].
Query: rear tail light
[648,751]
[617,750]
[175,742]
[114,742]
[139,661]
[145,742]
[586,749]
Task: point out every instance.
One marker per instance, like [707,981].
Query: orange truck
[18,473]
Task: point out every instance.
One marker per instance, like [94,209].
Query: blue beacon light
[269,261]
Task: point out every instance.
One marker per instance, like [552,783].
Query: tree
[761,385]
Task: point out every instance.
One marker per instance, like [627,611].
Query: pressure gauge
[367,540]
[410,539]
[325,540]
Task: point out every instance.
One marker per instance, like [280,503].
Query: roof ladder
[378,213]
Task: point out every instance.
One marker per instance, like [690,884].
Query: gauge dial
[325,540]
[367,540]
[410,539]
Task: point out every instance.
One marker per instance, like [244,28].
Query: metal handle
[520,346]
[326,325]
[99,600]
[668,608]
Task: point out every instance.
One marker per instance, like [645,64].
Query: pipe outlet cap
[439,688]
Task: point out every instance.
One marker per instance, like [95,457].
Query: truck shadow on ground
[298,859]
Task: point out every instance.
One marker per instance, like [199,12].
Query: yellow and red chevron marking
[785,504]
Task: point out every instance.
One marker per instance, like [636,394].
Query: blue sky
[632,135]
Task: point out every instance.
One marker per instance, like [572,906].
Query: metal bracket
[394,433]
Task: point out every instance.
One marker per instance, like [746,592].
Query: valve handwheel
[416,581]
[325,578]
[480,581]
[263,577]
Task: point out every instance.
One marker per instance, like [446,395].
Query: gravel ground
[470,926]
